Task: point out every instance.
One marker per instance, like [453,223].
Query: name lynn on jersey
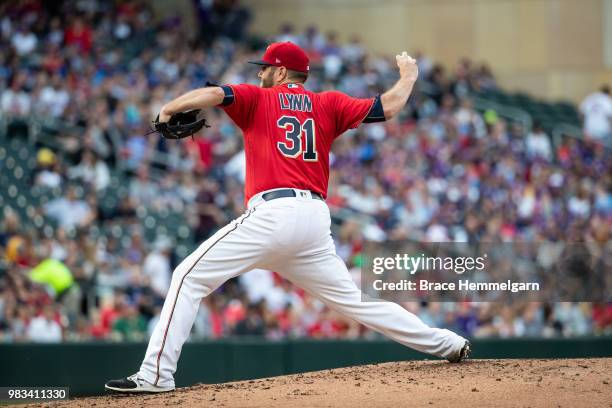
[295,102]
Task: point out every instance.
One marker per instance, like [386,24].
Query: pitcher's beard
[267,81]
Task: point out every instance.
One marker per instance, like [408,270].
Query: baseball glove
[180,125]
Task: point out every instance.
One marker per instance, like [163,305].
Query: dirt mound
[476,383]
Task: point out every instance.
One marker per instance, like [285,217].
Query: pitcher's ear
[282,73]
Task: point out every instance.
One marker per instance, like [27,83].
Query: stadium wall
[556,49]
[86,366]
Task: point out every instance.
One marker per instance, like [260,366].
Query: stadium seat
[150,222]
[125,241]
[10,162]
[23,154]
[12,191]
[117,231]
[549,115]
[21,202]
[38,221]
[48,231]
[18,173]
[183,232]
[182,251]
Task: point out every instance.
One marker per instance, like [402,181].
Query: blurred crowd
[442,171]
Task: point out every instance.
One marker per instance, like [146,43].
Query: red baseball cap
[285,54]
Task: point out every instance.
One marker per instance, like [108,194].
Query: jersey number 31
[292,147]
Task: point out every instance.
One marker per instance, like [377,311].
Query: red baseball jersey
[288,132]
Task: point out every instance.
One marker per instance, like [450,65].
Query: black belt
[273,195]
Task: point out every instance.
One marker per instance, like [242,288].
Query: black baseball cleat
[463,354]
[134,384]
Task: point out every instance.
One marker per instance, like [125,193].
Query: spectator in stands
[538,143]
[603,199]
[69,211]
[53,98]
[529,322]
[7,312]
[130,325]
[253,323]
[287,33]
[209,214]
[602,318]
[18,251]
[45,328]
[49,172]
[483,78]
[597,113]
[111,309]
[156,267]
[430,313]
[109,275]
[468,121]
[257,284]
[353,52]
[96,330]
[579,204]
[10,228]
[222,18]
[142,189]
[91,171]
[280,296]
[209,321]
[20,324]
[55,36]
[15,101]
[424,62]
[24,41]
[79,35]
[154,320]
[54,274]
[571,319]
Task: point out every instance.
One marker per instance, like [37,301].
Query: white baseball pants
[292,237]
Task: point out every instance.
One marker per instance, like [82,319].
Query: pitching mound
[476,383]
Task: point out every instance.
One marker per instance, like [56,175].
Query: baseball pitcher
[288,132]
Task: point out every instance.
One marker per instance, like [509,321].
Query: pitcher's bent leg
[228,253]
[327,278]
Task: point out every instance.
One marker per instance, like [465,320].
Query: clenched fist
[407,66]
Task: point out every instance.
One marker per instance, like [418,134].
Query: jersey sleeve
[239,103]
[350,112]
